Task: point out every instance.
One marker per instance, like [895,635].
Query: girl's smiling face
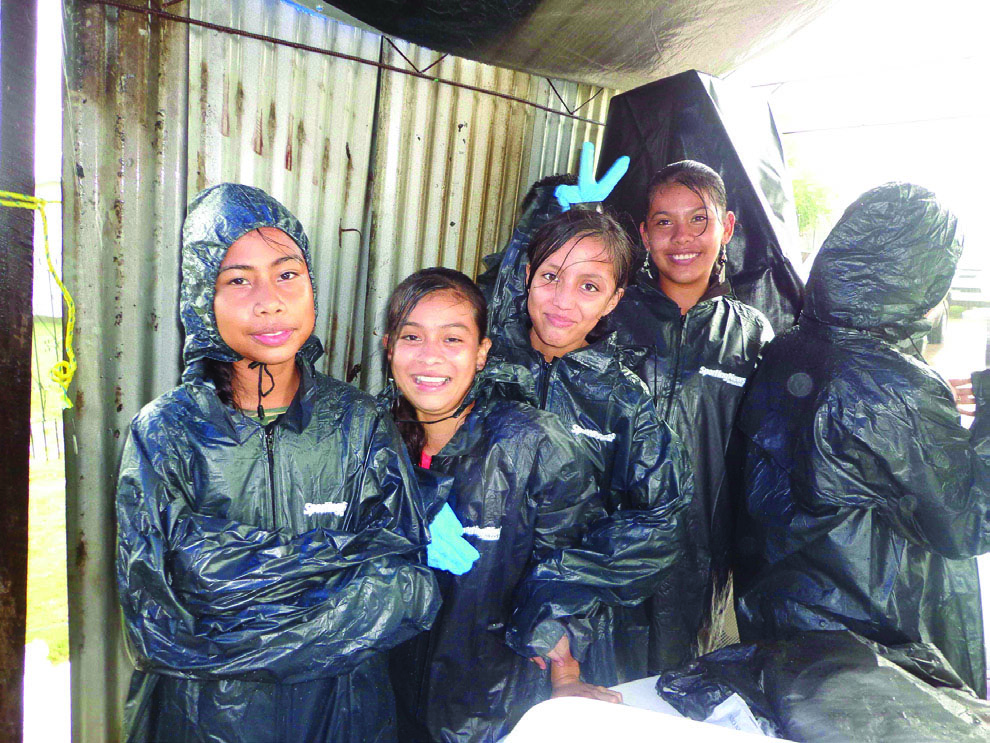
[263,303]
[571,291]
[436,354]
[684,234]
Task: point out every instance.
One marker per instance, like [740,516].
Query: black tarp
[698,117]
[602,42]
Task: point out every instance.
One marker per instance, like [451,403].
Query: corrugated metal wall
[124,193]
[387,172]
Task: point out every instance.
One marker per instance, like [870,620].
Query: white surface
[46,697]
[642,694]
[589,721]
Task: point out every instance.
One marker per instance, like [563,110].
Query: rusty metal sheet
[388,172]
[124,192]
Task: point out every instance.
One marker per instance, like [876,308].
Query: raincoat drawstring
[262,370]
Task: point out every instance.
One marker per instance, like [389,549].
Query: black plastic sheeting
[601,42]
[835,687]
[698,117]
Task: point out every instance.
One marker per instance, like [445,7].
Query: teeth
[684,256]
[430,380]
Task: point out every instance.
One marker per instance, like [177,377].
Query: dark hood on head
[888,261]
[216,218]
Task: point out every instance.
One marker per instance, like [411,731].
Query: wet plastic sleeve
[207,597]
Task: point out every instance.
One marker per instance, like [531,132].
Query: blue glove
[588,190]
[448,550]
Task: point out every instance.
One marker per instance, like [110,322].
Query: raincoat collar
[241,426]
[499,380]
[647,280]
[216,218]
[888,261]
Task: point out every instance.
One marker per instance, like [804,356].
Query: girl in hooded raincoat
[866,500]
[515,480]
[269,545]
[633,564]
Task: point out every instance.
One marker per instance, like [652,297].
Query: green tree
[813,202]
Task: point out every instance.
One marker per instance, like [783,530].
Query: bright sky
[880,90]
[48,151]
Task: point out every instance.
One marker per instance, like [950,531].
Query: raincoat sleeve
[562,485]
[912,460]
[207,597]
[640,544]
[625,557]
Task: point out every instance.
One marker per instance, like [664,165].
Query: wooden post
[18,29]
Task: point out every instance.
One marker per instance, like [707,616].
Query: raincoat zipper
[675,369]
[270,449]
[546,370]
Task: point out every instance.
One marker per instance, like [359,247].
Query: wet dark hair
[401,303]
[694,176]
[702,181]
[221,373]
[583,223]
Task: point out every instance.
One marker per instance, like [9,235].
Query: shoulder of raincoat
[696,366]
[637,552]
[289,554]
[865,493]
[522,492]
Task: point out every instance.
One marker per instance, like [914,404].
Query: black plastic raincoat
[835,687]
[632,562]
[696,365]
[865,494]
[522,491]
[263,571]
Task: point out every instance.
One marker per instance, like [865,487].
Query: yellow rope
[63,371]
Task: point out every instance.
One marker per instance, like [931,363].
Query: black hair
[221,373]
[401,303]
[694,176]
[702,181]
[581,223]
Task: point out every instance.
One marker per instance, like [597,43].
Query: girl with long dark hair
[519,487]
[632,561]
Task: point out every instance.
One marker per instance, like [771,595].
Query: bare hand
[962,390]
[579,688]
[565,676]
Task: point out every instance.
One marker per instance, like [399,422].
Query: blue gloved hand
[448,550]
[588,190]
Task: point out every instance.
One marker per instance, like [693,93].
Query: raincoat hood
[217,217]
[888,261]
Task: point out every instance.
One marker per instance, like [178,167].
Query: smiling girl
[697,347]
[518,485]
[628,566]
[269,546]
